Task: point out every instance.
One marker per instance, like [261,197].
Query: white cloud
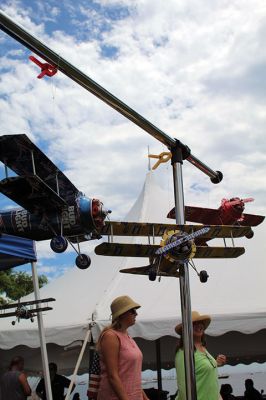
[191,68]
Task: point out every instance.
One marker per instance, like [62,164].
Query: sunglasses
[133,311]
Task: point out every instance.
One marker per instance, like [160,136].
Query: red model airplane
[230,212]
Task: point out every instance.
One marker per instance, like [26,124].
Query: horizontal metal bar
[32,43]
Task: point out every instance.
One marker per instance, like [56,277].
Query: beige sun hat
[195,317]
[122,304]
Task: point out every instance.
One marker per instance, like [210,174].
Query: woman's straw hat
[122,304]
[195,317]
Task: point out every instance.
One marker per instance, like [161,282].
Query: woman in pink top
[120,357]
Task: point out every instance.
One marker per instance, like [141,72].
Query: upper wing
[150,229]
[41,177]
[252,220]
[148,250]
[199,214]
[25,303]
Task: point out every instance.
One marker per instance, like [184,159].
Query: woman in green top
[205,365]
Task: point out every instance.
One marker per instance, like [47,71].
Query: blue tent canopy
[15,251]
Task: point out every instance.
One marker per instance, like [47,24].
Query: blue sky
[195,70]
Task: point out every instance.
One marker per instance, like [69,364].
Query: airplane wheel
[152,275]
[58,244]
[32,319]
[13,323]
[250,235]
[203,275]
[83,261]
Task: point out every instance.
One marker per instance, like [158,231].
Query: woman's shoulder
[109,334]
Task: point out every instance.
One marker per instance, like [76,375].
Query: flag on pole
[94,376]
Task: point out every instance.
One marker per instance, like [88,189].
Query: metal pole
[78,364]
[191,392]
[159,367]
[45,366]
[21,35]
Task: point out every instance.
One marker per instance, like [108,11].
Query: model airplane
[166,258]
[230,212]
[25,309]
[53,208]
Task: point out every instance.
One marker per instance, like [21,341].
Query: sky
[196,70]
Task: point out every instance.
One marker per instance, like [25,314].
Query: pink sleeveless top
[129,369]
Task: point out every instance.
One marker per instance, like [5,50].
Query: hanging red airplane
[230,212]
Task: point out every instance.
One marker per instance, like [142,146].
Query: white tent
[234,296]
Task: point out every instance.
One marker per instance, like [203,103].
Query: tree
[15,285]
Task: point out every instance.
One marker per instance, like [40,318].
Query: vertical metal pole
[159,367]
[191,392]
[45,366]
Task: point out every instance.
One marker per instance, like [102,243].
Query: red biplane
[230,212]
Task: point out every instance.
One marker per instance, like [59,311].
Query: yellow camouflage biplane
[179,244]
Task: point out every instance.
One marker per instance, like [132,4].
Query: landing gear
[250,235]
[32,319]
[83,261]
[59,244]
[13,323]
[203,276]
[152,274]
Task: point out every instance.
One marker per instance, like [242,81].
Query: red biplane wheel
[250,234]
[83,261]
[58,244]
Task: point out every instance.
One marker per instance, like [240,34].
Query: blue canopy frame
[15,251]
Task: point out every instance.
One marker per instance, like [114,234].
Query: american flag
[94,376]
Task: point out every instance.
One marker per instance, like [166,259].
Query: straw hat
[195,317]
[122,304]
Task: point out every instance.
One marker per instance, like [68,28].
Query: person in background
[58,384]
[251,393]
[205,365]
[14,384]
[226,392]
[120,357]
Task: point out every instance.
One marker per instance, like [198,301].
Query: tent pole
[78,363]
[159,367]
[180,152]
[45,366]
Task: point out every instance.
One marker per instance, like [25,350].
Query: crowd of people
[120,365]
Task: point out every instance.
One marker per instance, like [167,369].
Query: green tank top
[206,376]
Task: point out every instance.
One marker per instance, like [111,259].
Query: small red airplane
[230,212]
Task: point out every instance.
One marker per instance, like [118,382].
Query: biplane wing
[30,311]
[212,216]
[26,303]
[146,271]
[155,229]
[38,176]
[200,215]
[252,219]
[149,250]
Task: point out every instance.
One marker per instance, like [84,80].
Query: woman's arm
[144,395]
[24,383]
[109,347]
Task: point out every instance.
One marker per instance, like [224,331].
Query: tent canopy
[234,297]
[15,251]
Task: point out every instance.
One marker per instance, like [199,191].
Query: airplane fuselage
[79,218]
